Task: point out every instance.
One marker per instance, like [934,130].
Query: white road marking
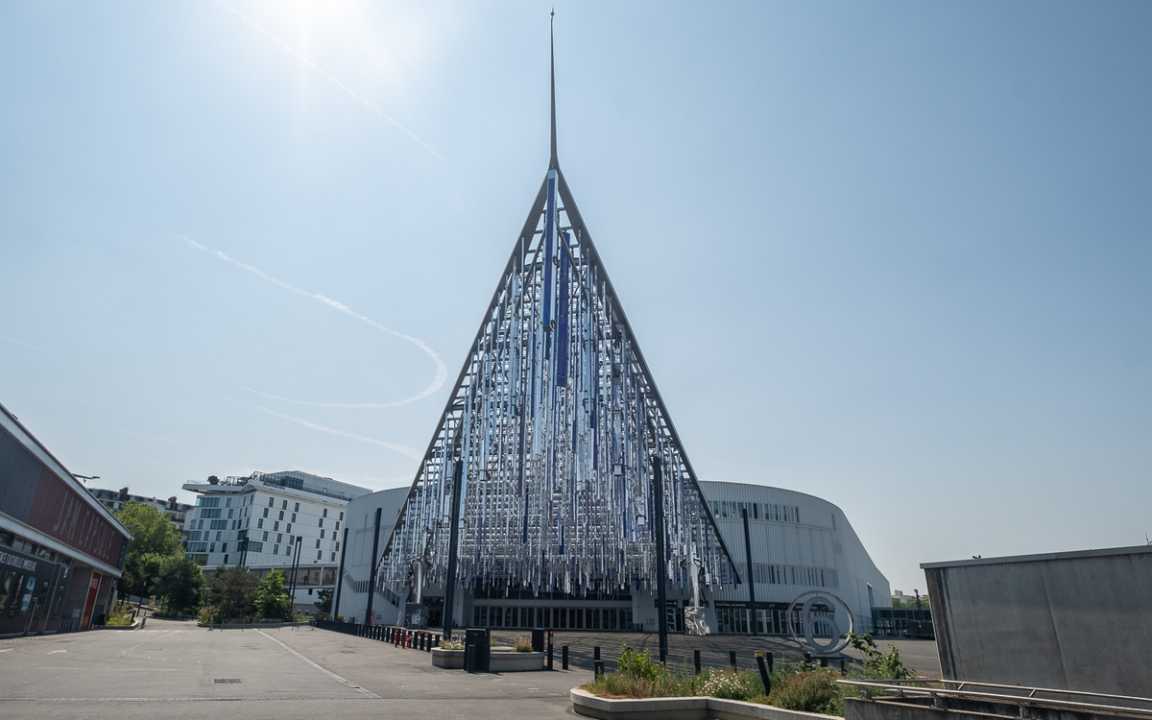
[3,650]
[54,652]
[342,680]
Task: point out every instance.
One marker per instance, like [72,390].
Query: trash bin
[477,650]
[538,640]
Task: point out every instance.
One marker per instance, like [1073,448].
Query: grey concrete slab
[177,670]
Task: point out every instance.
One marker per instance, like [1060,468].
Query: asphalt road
[177,670]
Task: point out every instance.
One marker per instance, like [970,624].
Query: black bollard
[843,665]
[598,669]
[765,677]
[564,657]
[771,663]
[696,661]
[595,652]
[823,662]
[549,653]
[436,637]
[732,658]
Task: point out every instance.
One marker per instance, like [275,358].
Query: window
[279,537]
[275,549]
[337,526]
[318,554]
[293,517]
[321,534]
[288,549]
[208,502]
[337,545]
[317,547]
[224,549]
[341,514]
[209,513]
[297,508]
[265,512]
[217,536]
[333,557]
[266,536]
[321,522]
[289,528]
[269,502]
[281,514]
[211,547]
[284,505]
[225,559]
[276,525]
[260,523]
[325,512]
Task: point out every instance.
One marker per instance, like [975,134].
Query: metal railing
[1087,702]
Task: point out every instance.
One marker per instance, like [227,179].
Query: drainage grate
[226,681]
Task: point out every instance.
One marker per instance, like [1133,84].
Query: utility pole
[372,569]
[661,560]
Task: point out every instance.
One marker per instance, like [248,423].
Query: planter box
[502,660]
[448,659]
[681,708]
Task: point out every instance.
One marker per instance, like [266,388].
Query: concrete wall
[1078,621]
[353,576]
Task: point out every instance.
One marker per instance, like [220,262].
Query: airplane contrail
[307,62]
[402,449]
[441,371]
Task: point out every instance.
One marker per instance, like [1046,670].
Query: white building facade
[798,543]
[284,517]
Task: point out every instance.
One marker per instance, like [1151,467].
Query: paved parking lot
[177,670]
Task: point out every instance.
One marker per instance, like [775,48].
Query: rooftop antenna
[553,162]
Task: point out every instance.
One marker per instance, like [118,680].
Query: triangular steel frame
[566,467]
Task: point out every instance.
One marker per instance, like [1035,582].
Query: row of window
[772,574]
[756,511]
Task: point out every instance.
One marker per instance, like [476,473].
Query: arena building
[798,543]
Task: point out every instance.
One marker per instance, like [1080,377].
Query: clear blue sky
[897,255]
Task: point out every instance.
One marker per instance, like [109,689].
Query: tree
[153,534]
[271,599]
[324,604]
[178,583]
[232,591]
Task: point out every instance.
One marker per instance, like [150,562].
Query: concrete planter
[503,660]
[681,708]
[134,626]
[448,659]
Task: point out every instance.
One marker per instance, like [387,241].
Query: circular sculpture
[811,608]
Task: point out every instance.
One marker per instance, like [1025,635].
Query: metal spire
[553,162]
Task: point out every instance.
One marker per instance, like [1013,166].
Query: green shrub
[879,665]
[208,615]
[808,691]
[523,644]
[121,616]
[451,644]
[639,664]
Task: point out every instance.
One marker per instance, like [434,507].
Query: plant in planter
[451,645]
[523,644]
